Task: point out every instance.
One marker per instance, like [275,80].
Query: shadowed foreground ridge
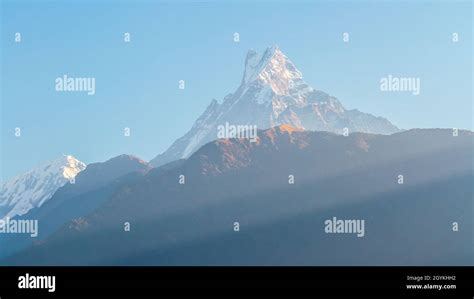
[235,180]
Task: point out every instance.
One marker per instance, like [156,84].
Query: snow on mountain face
[33,188]
[273,93]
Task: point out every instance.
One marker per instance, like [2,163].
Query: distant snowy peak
[35,187]
[272,68]
[72,167]
[273,93]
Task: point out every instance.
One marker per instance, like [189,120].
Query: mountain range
[312,160]
[235,180]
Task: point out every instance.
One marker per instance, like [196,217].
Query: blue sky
[137,82]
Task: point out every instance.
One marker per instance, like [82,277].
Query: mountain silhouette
[231,181]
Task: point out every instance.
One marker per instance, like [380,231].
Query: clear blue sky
[137,82]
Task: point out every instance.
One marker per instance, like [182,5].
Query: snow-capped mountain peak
[272,69]
[35,187]
[72,167]
[273,93]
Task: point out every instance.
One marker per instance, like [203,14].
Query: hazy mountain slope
[91,188]
[235,180]
[411,226]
